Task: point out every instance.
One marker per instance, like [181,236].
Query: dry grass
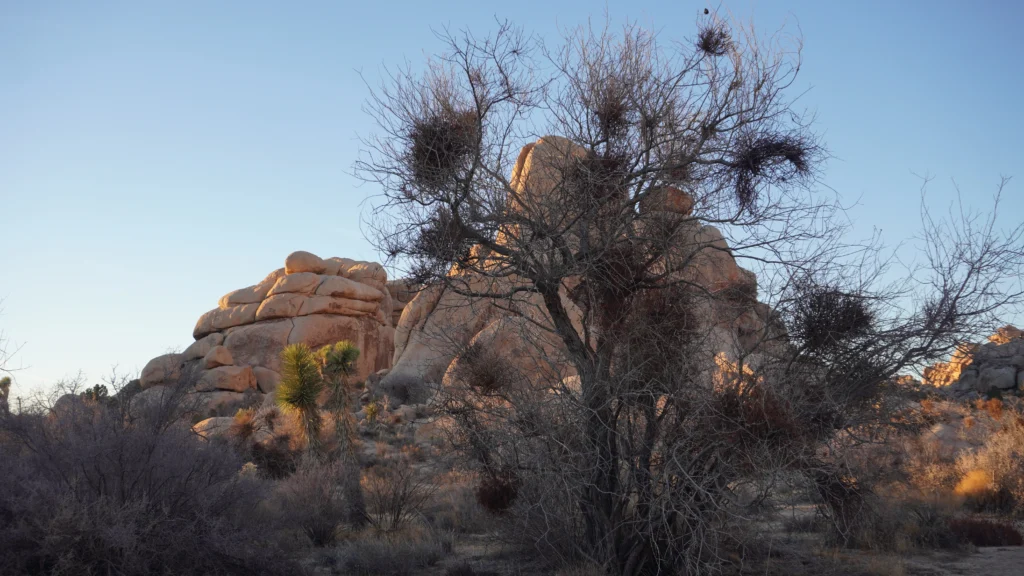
[396,554]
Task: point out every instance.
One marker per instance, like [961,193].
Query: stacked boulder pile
[236,357]
[983,369]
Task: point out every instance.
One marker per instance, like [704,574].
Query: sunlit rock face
[980,369]
[236,356]
[437,325]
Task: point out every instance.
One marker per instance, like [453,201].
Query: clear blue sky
[155,155]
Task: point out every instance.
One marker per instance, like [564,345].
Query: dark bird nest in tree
[594,179]
[441,146]
[824,316]
[774,157]
[714,40]
[440,242]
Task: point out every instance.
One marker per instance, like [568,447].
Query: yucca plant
[338,363]
[300,386]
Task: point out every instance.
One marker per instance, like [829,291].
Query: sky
[156,155]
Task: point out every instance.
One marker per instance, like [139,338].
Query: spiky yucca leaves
[339,359]
[300,386]
[338,362]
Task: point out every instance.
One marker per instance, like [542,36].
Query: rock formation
[437,324]
[236,356]
[979,369]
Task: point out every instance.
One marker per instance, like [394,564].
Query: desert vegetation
[634,444]
[632,402]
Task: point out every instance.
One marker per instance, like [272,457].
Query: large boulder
[402,292]
[259,344]
[1000,378]
[233,378]
[219,356]
[238,344]
[161,371]
[266,379]
[200,348]
[213,427]
[996,365]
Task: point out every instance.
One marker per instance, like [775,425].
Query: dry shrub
[992,477]
[974,484]
[900,525]
[484,370]
[276,458]
[395,492]
[312,500]
[993,406]
[544,520]
[90,491]
[984,532]
[497,492]
[244,424]
[454,507]
[401,555]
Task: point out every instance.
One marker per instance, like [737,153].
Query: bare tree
[607,252]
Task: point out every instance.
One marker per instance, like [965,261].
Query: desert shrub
[454,507]
[395,493]
[808,524]
[496,492]
[993,406]
[543,519]
[87,490]
[275,459]
[992,477]
[984,532]
[898,525]
[398,556]
[312,501]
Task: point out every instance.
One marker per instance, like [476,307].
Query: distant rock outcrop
[980,369]
[236,356]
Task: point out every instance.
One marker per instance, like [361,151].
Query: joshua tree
[338,363]
[300,387]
